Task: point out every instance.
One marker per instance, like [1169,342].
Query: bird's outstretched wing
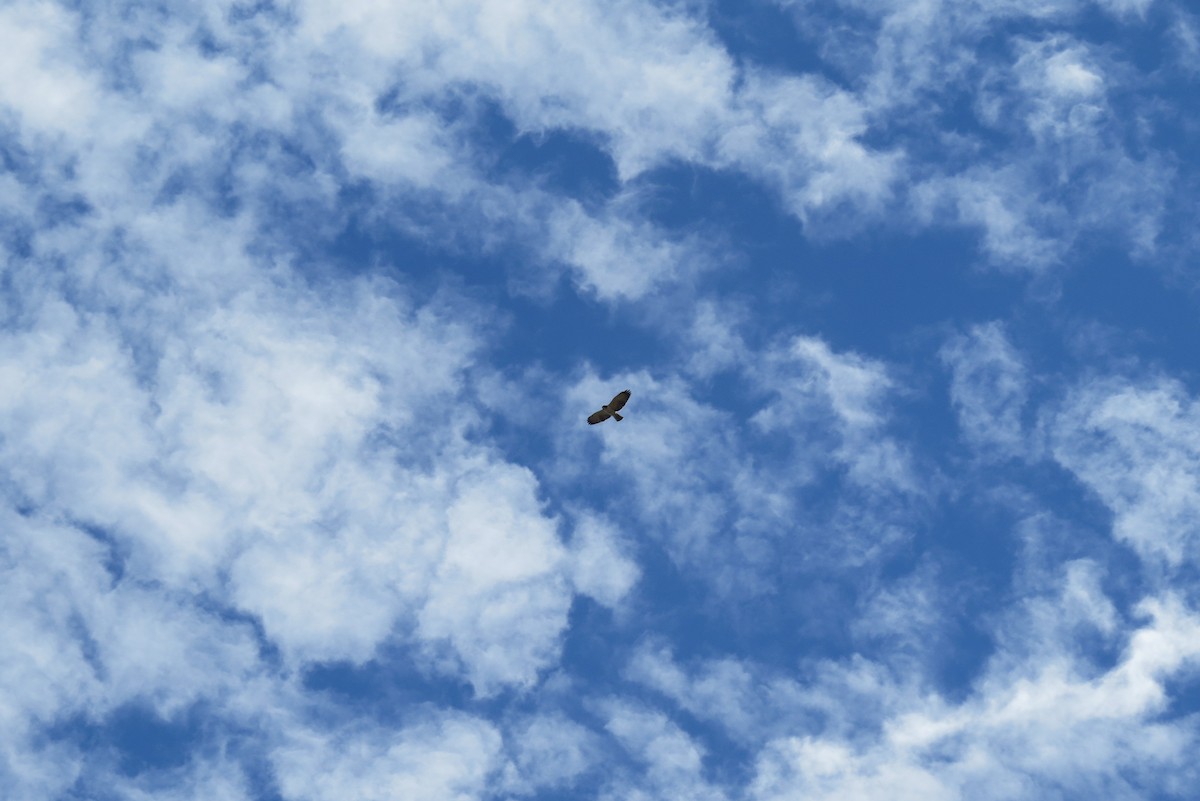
[599,417]
[619,400]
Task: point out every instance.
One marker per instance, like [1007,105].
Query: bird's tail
[617,417]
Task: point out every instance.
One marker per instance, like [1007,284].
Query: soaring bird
[615,405]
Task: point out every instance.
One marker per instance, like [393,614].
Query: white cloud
[1137,447]
[650,86]
[812,383]
[263,438]
[652,81]
[1001,202]
[601,568]
[550,751]
[723,489]
[909,616]
[500,596]
[1060,93]
[251,443]
[412,149]
[81,644]
[1185,41]
[756,704]
[803,136]
[449,756]
[816,769]
[40,77]
[216,778]
[1063,620]
[1084,599]
[284,462]
[662,455]
[712,338]
[1065,74]
[1045,710]
[1126,8]
[1044,157]
[723,690]
[673,761]
[988,388]
[615,257]
[1014,736]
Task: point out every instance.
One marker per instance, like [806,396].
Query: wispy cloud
[989,386]
[1133,444]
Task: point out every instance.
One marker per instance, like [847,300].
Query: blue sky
[305,306]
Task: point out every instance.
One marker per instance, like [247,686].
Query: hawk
[615,405]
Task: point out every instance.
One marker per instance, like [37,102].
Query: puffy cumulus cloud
[549,751]
[247,461]
[227,421]
[650,87]
[44,83]
[499,587]
[445,756]
[250,111]
[1136,446]
[80,643]
[408,151]
[672,762]
[415,567]
[988,387]
[258,458]
[401,98]
[272,444]
[602,568]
